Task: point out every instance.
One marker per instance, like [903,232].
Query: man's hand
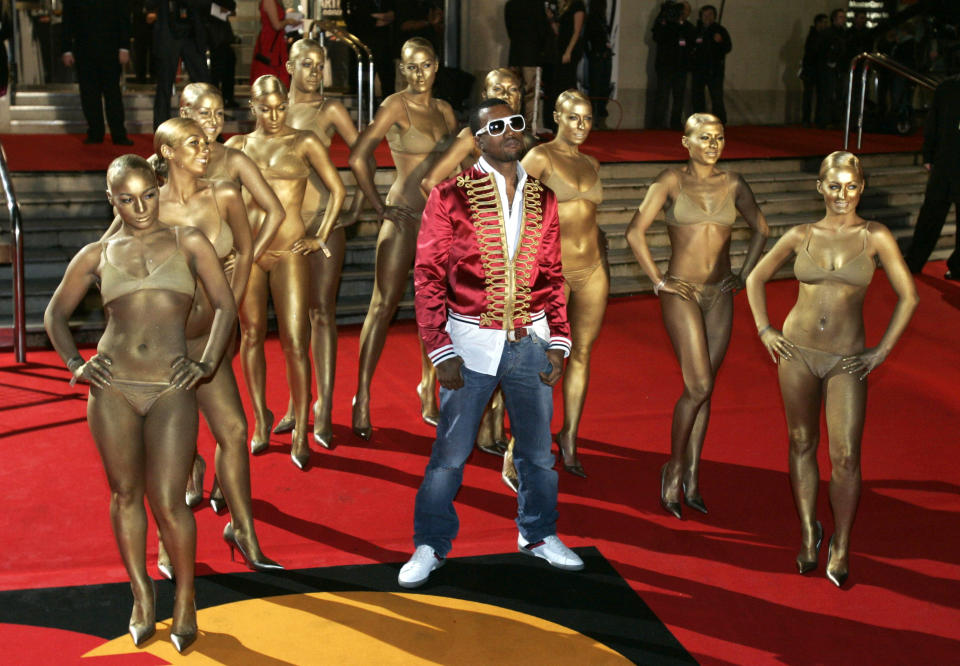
[448,373]
[555,356]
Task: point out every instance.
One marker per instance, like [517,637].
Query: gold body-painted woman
[821,354]
[462,154]
[216,208]
[203,103]
[285,157]
[310,110]
[575,179]
[417,128]
[700,203]
[142,408]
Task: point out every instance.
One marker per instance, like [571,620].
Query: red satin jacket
[462,266]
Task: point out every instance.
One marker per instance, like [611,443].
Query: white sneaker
[553,551]
[419,567]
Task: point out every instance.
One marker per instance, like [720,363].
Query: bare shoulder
[879,234]
[669,177]
[236,142]
[225,189]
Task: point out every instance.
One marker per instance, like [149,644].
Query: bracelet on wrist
[658,286]
[74,363]
[764,330]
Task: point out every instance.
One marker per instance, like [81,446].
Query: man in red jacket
[490,309]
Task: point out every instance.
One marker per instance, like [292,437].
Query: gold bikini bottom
[577,278]
[141,396]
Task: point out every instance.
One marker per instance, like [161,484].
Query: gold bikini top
[685,212]
[567,192]
[173,274]
[857,272]
[412,139]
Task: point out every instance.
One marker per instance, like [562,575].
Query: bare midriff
[700,252]
[145,334]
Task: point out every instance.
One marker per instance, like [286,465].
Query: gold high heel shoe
[257,447]
[509,473]
[364,431]
[141,631]
[670,507]
[262,564]
[163,560]
[217,501]
[806,566]
[302,459]
[428,408]
[285,425]
[194,494]
[183,639]
[838,578]
[322,437]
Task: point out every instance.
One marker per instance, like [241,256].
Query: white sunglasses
[498,126]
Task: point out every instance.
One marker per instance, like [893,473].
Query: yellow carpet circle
[370,628]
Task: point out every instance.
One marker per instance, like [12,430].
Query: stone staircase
[63,211]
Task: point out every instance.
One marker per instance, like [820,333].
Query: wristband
[658,286]
[74,363]
[764,330]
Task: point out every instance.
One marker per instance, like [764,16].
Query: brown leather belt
[517,334]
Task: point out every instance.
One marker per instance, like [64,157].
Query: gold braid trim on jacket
[508,282]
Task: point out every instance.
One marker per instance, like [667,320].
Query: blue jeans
[529,403]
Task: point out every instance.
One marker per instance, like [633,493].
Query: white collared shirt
[481,348]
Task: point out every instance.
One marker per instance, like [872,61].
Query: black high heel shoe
[140,632]
[838,578]
[364,432]
[256,447]
[670,507]
[262,564]
[695,503]
[576,468]
[806,566]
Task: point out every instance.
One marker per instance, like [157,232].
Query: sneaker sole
[564,567]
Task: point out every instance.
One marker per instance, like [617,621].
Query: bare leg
[846,407]
[718,323]
[492,436]
[117,431]
[253,324]
[687,331]
[289,284]
[395,252]
[585,310]
[802,392]
[324,282]
[169,436]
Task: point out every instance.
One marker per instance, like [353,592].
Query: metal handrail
[16,231]
[361,50]
[887,63]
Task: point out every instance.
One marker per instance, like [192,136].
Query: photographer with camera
[674,36]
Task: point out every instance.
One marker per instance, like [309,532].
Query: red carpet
[66,152]
[725,584]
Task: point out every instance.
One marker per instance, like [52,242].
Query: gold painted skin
[202,102]
[397,241]
[828,316]
[581,249]
[701,253]
[310,110]
[188,200]
[286,157]
[462,154]
[145,340]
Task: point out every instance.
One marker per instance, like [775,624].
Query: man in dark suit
[96,37]
[373,21]
[527,28]
[712,44]
[674,36]
[178,33]
[223,61]
[941,157]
